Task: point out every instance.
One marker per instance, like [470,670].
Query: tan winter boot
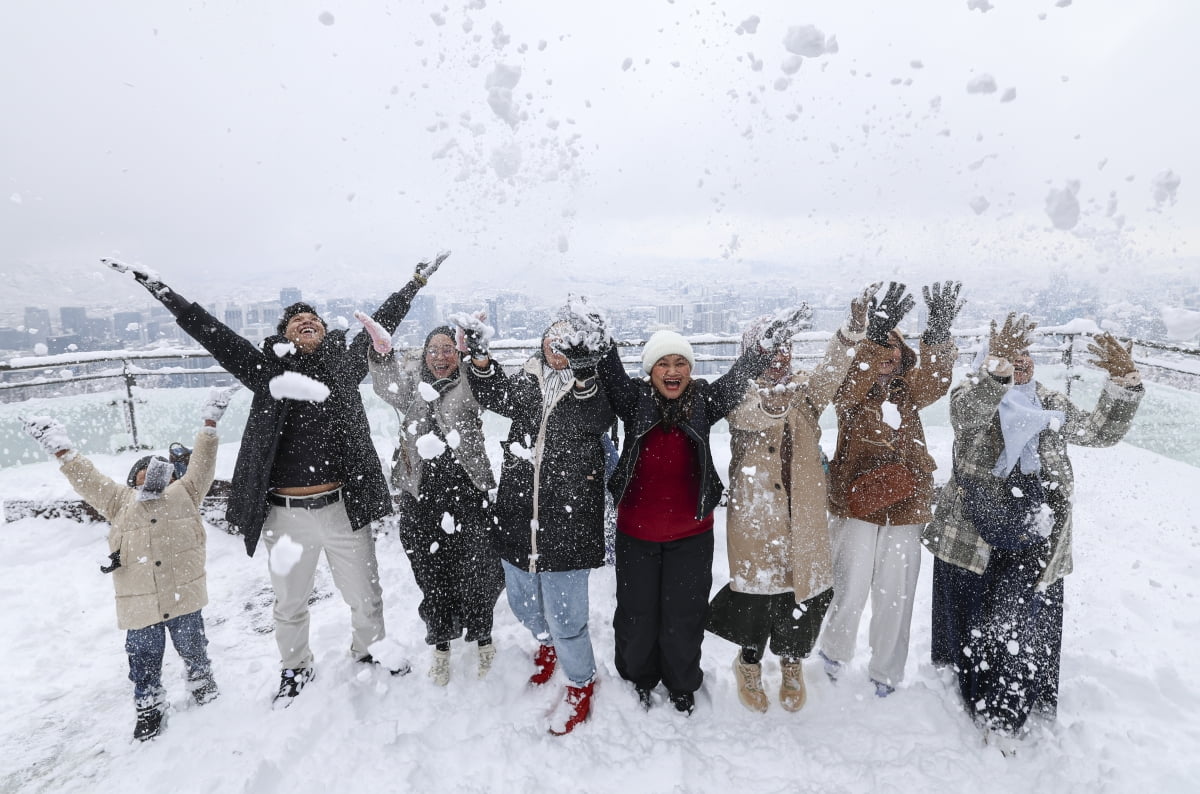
[439,667]
[749,684]
[487,655]
[792,694]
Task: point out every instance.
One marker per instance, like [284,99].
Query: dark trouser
[458,572]
[1002,636]
[662,606]
[752,621]
[145,648]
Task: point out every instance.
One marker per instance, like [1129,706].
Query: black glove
[781,330]
[476,333]
[427,267]
[150,280]
[886,314]
[581,358]
[944,306]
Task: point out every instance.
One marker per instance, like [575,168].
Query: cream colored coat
[778,540]
[162,541]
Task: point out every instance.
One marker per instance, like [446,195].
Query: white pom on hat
[665,343]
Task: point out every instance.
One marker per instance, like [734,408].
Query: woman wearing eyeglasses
[443,475]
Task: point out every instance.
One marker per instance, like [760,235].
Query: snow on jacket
[878,425]
[974,414]
[550,504]
[161,541]
[634,402]
[339,366]
[430,419]
[778,537]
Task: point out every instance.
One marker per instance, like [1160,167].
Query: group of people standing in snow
[809,539]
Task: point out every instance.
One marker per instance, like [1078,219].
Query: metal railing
[44,376]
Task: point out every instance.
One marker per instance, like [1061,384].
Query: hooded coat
[551,500]
[161,541]
[339,366]
[452,416]
[778,536]
[878,425]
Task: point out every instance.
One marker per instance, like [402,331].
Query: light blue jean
[554,607]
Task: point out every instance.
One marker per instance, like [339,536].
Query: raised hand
[476,333]
[944,305]
[1011,338]
[1111,356]
[143,275]
[427,267]
[216,403]
[381,340]
[856,322]
[886,314]
[787,323]
[48,433]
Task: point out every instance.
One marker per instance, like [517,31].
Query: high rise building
[289,295]
[74,319]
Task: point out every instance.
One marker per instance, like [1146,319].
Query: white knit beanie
[665,343]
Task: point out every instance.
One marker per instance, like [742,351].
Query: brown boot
[792,693]
[749,684]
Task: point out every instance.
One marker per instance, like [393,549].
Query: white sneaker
[439,668]
[487,655]
[749,684]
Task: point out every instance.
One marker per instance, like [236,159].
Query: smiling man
[307,477]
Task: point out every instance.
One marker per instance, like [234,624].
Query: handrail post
[130,413]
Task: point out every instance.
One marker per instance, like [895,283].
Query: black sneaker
[291,682]
[150,722]
[204,690]
[402,667]
[644,696]
[684,702]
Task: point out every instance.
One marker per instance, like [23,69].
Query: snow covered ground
[1128,717]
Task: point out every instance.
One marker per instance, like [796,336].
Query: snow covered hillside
[1128,717]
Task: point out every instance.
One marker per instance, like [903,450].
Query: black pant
[1002,636]
[753,621]
[662,607]
[458,572]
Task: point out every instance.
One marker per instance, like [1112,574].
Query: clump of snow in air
[979,204]
[520,451]
[448,524]
[282,349]
[40,349]
[981,84]
[15,198]
[429,446]
[325,18]
[1009,95]
[284,555]
[563,244]
[506,159]
[890,414]
[747,25]
[979,5]
[625,64]
[1165,185]
[1182,324]
[453,439]
[294,386]
[808,41]
[1062,205]
[500,84]
[791,64]
[427,392]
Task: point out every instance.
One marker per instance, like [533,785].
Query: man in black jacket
[307,476]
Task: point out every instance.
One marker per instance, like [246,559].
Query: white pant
[294,540]
[882,561]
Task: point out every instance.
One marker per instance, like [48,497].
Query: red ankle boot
[545,660]
[573,709]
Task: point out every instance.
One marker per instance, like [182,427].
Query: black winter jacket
[339,366]
[553,470]
[633,400]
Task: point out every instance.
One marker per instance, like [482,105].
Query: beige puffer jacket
[162,541]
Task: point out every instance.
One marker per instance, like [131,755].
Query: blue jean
[554,607]
[145,650]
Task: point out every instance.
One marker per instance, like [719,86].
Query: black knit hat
[299,307]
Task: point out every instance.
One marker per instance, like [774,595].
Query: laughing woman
[666,487]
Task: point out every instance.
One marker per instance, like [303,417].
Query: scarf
[677,411]
[1022,419]
[554,383]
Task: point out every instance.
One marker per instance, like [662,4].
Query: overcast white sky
[233,143]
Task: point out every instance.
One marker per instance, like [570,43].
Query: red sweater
[660,503]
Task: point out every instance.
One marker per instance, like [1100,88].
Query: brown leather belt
[305,502]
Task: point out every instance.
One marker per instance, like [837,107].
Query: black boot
[291,682]
[150,721]
[204,689]
[684,702]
